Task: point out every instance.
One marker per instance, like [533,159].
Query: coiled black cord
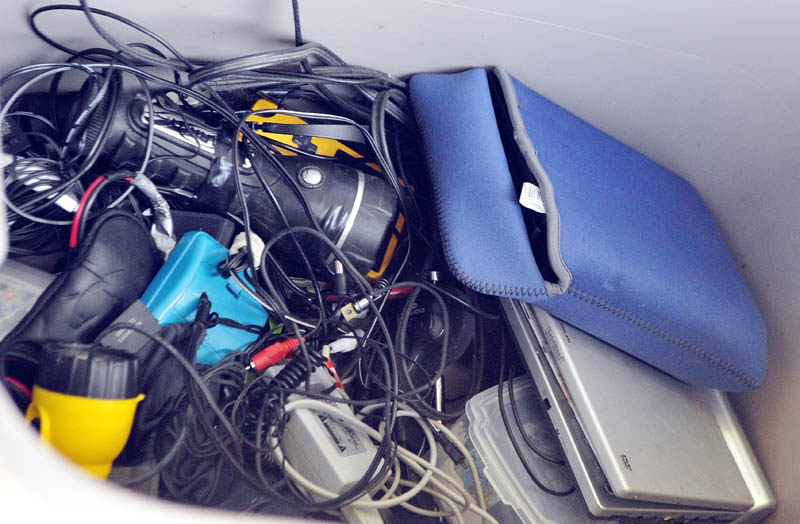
[295,372]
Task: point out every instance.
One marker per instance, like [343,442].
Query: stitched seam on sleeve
[697,351]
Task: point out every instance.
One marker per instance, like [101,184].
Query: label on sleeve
[531,197]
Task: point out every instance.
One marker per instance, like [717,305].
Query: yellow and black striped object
[296,144]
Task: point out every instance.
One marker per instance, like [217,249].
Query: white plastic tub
[504,469]
[708,89]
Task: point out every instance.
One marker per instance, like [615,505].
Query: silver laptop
[639,442]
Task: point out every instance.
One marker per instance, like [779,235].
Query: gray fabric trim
[525,145]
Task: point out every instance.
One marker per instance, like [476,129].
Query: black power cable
[222,421]
[513,439]
[525,437]
[298,33]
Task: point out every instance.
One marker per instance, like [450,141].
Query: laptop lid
[596,491]
[655,437]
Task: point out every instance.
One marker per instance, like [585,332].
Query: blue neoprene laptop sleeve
[628,250]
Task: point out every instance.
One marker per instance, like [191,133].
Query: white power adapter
[327,452]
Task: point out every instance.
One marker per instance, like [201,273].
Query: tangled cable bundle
[226,425]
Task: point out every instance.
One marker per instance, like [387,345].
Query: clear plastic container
[503,468]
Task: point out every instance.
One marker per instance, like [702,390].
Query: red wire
[335,375]
[76,220]
[20,386]
[394,294]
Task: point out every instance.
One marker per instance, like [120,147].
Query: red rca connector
[273,354]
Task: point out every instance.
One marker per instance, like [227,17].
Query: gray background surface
[709,89]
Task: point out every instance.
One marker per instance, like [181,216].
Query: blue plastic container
[191,270]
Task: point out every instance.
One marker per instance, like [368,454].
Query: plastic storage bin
[503,468]
[708,89]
